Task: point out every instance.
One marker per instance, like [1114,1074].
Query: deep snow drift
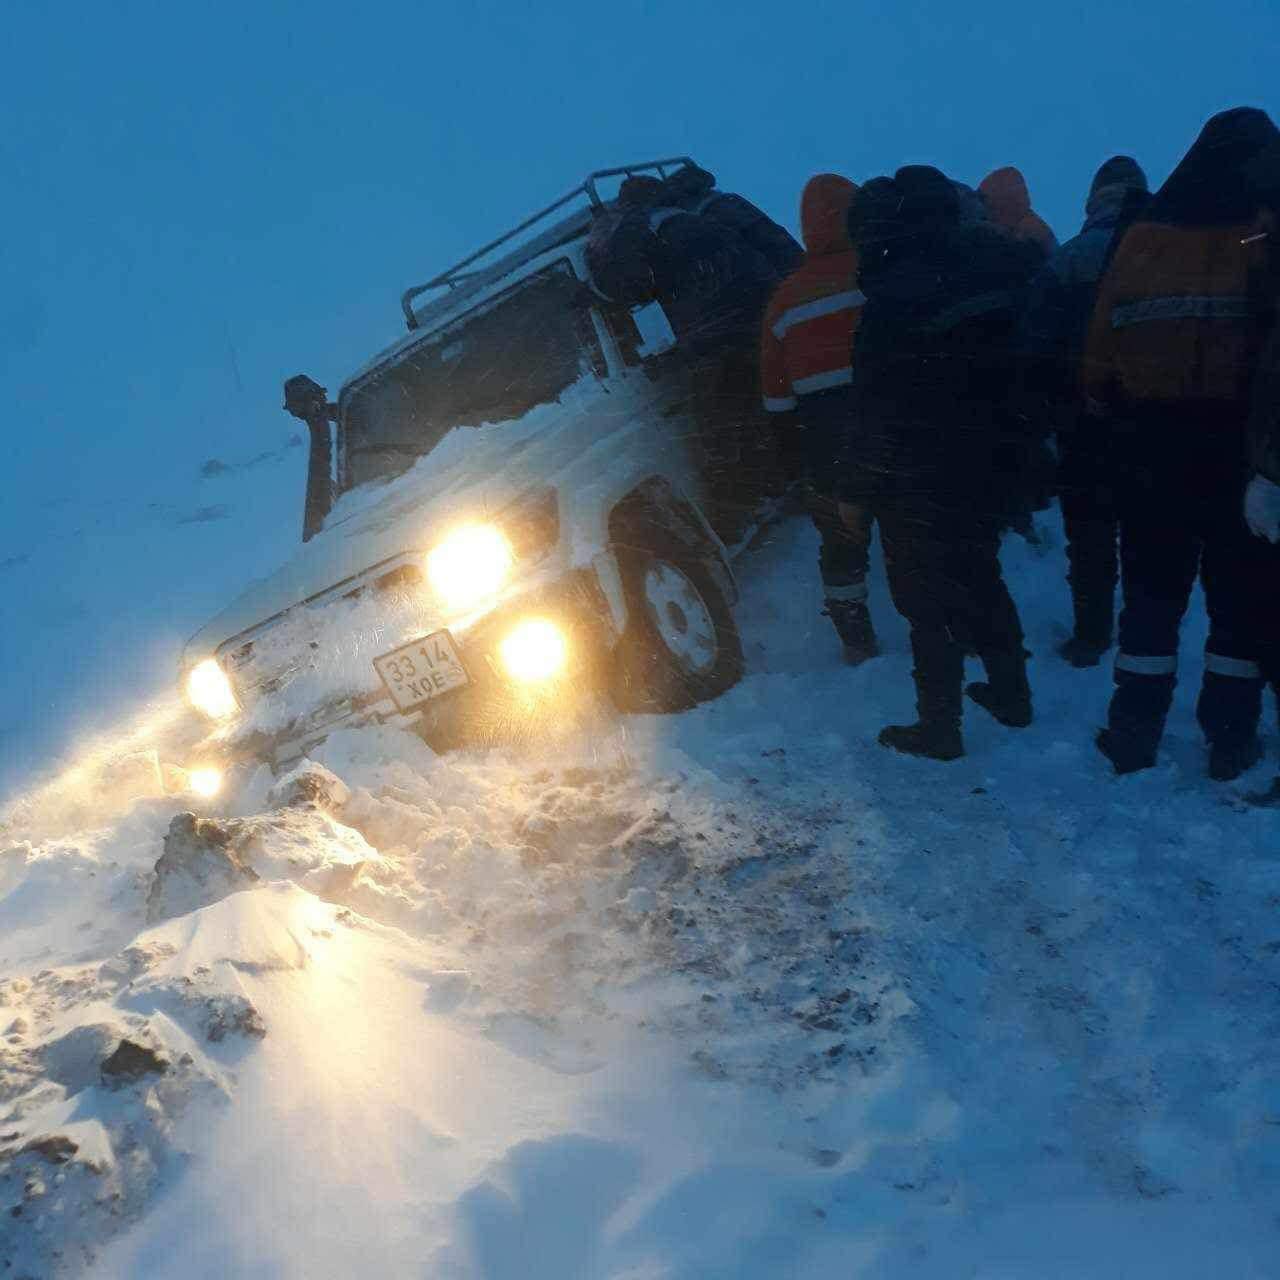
[734,993]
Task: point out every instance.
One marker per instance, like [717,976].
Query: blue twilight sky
[200,199]
[203,198]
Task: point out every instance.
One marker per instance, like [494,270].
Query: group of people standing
[935,338]
[935,365]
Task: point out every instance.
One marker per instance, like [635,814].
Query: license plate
[418,672]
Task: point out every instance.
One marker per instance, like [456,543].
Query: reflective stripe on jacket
[810,324]
[1182,314]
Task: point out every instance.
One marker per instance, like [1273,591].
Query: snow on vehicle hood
[473,473]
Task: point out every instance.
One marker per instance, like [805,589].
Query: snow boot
[1006,692]
[1128,753]
[1095,614]
[852,621]
[1083,651]
[936,740]
[1135,720]
[1228,760]
[938,673]
[1268,799]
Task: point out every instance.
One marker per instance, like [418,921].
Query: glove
[1262,508]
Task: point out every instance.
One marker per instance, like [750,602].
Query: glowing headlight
[470,564]
[205,782]
[210,690]
[534,650]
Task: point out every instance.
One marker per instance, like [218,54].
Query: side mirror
[306,399]
[656,333]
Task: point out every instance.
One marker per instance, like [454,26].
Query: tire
[681,646]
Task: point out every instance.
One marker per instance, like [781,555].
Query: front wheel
[681,645]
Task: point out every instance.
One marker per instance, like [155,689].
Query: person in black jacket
[1059,305]
[714,284]
[667,242]
[695,189]
[933,360]
[620,250]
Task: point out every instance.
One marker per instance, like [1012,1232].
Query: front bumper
[491,708]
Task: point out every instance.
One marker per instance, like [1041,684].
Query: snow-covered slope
[100,597]
[734,993]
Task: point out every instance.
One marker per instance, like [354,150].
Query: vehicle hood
[473,473]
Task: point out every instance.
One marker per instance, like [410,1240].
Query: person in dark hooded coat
[695,189]
[933,361]
[1058,308]
[1183,313]
[714,285]
[621,251]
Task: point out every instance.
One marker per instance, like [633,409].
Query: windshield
[498,362]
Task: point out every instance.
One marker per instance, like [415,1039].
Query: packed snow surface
[734,993]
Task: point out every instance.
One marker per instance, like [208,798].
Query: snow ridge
[732,993]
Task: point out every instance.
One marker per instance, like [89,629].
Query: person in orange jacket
[805,366]
[1008,204]
[1177,337]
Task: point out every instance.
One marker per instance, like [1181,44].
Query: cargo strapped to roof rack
[589,188]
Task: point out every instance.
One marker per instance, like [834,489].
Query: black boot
[1006,692]
[1228,760]
[1095,624]
[1268,799]
[1135,720]
[852,621]
[936,740]
[1091,553]
[939,673]
[1127,753]
[1084,651]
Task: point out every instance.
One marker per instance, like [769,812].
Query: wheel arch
[655,507]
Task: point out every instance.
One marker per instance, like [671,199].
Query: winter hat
[639,189]
[1119,171]
[917,199]
[689,184]
[928,195]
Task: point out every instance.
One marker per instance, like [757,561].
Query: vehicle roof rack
[589,187]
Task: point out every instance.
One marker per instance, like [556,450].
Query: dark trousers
[737,448]
[944,573]
[1178,524]
[1091,522]
[845,554]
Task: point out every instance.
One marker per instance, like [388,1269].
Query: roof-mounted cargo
[466,269]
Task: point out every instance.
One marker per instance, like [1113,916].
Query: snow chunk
[206,860]
[309,785]
[198,866]
[75,1060]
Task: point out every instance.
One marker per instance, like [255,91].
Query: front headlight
[469,565]
[210,691]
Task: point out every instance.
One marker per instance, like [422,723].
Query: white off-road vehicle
[513,517]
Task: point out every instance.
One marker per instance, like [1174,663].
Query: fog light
[534,650]
[210,690]
[205,782]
